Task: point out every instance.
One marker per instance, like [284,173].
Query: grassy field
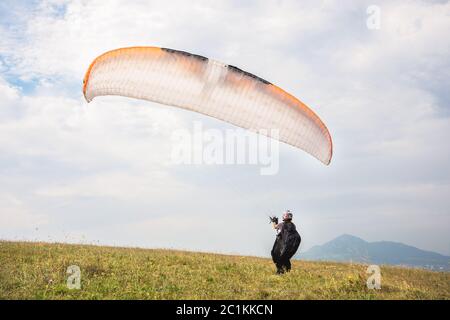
[38,271]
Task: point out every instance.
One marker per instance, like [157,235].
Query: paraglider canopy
[206,86]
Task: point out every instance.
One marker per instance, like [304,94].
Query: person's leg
[280,267]
[275,253]
[287,265]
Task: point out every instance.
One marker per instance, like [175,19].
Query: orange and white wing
[199,84]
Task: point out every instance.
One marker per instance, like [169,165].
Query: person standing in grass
[286,242]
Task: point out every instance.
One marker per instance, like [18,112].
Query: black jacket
[286,242]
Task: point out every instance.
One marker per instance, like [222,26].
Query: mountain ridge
[349,248]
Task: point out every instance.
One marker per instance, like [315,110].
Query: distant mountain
[347,248]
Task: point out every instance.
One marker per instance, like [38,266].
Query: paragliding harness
[285,246]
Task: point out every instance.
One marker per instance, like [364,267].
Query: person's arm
[277,226]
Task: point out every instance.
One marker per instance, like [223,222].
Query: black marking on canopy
[251,75]
[184,53]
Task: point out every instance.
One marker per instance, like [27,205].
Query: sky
[99,172]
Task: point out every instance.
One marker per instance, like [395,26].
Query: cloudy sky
[99,173]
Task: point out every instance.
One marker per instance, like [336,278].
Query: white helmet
[287,216]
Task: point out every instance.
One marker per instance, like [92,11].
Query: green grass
[38,271]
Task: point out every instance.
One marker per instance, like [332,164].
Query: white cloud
[17,216]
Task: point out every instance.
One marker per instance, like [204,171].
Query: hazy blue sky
[75,172]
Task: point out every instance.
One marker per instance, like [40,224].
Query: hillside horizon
[350,248]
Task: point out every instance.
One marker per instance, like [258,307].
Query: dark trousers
[283,265]
[281,260]
[281,255]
